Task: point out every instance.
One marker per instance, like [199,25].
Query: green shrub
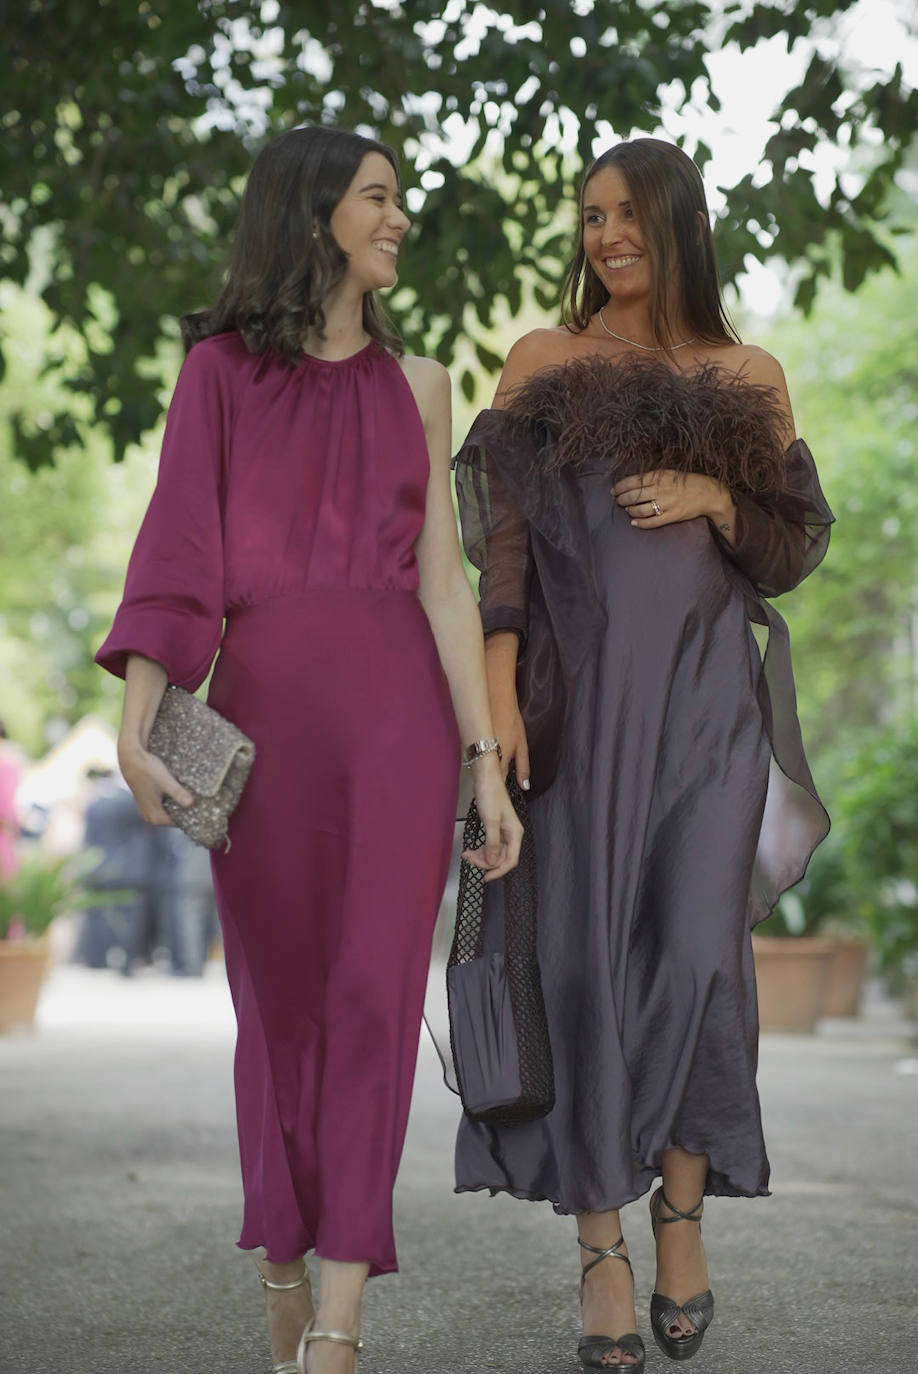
[879,819]
[822,902]
[43,888]
[864,877]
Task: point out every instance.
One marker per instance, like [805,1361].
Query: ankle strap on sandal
[660,1198]
[283,1287]
[610,1252]
[340,1336]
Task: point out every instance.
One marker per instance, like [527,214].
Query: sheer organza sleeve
[781,538]
[495,534]
[524,527]
[172,609]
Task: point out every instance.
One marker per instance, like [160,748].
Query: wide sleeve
[495,534]
[524,528]
[173,604]
[781,537]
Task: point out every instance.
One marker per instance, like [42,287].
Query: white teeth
[614,263]
[390,248]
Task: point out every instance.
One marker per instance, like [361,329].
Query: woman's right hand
[150,780]
[510,730]
[503,830]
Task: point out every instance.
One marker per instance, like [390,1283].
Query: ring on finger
[656,508]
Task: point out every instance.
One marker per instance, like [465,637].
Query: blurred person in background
[121,933]
[635,494]
[156,886]
[185,897]
[10,778]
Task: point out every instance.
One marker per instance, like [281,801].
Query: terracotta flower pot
[792,974]
[846,977]
[23,964]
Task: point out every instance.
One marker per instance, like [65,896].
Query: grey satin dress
[653,863]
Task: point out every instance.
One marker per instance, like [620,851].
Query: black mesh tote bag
[497,1024]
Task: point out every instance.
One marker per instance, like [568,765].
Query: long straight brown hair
[667,196]
[285,258]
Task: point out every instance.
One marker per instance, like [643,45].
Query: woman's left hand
[503,829]
[665,497]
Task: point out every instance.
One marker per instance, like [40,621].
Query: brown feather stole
[638,414]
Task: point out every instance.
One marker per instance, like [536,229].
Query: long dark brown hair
[285,258]
[667,196]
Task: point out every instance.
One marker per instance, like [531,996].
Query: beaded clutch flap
[207,754]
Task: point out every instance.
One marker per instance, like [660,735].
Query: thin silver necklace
[647,348]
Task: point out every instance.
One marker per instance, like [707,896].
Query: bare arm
[453,615]
[146,775]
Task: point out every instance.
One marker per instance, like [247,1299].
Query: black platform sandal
[593,1349]
[663,1311]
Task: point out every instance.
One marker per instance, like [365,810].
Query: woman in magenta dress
[303,497]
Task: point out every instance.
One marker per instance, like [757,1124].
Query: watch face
[481,747]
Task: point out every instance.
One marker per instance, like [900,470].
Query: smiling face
[645,244]
[369,224]
[612,238]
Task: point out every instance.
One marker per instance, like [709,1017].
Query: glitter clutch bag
[207,754]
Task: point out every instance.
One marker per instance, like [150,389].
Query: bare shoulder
[429,381]
[538,349]
[760,368]
[425,375]
[752,363]
[541,348]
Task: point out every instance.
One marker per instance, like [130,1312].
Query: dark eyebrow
[376,186]
[621,205]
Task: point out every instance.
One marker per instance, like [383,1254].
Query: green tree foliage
[853,373]
[65,535]
[129,127]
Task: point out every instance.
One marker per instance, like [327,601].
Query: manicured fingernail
[525,784]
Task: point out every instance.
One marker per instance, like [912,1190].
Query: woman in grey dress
[632,497]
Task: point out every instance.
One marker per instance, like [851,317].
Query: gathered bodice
[326,475]
[275,479]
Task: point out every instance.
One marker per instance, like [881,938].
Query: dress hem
[717,1184]
[710,1190]
[376,1269]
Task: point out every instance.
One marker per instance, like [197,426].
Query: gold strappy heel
[311,1334]
[286,1366]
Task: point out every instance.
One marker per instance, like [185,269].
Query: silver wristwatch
[478,748]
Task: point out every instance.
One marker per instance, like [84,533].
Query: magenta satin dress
[289,500]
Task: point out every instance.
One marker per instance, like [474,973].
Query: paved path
[120,1200]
